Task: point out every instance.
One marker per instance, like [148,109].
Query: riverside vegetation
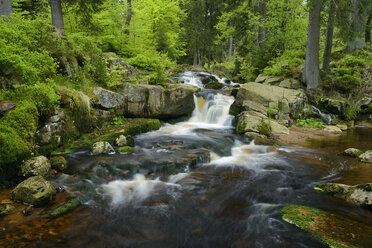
[92,75]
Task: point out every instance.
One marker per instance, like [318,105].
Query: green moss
[58,162]
[66,207]
[6,209]
[125,150]
[264,128]
[309,123]
[332,189]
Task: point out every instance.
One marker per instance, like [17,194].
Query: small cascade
[213,110]
[325,118]
[198,78]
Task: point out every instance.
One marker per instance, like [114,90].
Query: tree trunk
[368,34]
[261,39]
[358,23]
[311,72]
[329,36]
[57,16]
[6,7]
[129,15]
[229,54]
[195,48]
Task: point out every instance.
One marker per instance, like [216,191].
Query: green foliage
[286,64]
[309,123]
[24,51]
[351,112]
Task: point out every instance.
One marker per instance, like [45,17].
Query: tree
[6,7]
[311,72]
[329,36]
[57,16]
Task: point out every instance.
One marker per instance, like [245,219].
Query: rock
[272,80]
[213,85]
[28,210]
[249,121]
[332,229]
[125,150]
[293,101]
[357,195]
[66,207]
[343,127]
[119,66]
[6,209]
[103,116]
[157,102]
[121,141]
[261,78]
[353,152]
[59,163]
[107,99]
[34,191]
[366,157]
[333,129]
[6,106]
[101,148]
[290,83]
[39,166]
[277,128]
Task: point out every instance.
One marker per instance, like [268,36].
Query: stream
[196,184]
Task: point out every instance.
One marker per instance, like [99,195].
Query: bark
[358,23]
[6,7]
[129,15]
[261,39]
[57,16]
[368,34]
[195,48]
[229,53]
[311,72]
[329,36]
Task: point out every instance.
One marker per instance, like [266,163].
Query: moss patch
[332,229]
[125,150]
[66,207]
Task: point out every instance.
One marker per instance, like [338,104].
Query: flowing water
[195,184]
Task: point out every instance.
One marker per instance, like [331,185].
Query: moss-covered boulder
[102,147]
[333,129]
[121,141]
[332,229]
[357,195]
[39,166]
[34,191]
[66,207]
[107,99]
[366,157]
[58,163]
[213,85]
[6,209]
[125,150]
[353,152]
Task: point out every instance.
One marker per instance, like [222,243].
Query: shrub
[285,64]
[309,123]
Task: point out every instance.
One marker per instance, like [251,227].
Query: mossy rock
[213,85]
[58,162]
[125,150]
[34,191]
[6,209]
[332,229]
[65,208]
[38,166]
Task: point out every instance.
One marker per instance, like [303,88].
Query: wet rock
[213,85]
[333,129]
[343,127]
[121,141]
[357,195]
[107,99]
[6,106]
[102,148]
[39,166]
[65,208]
[332,229]
[59,163]
[28,210]
[34,191]
[353,152]
[366,157]
[158,102]
[6,209]
[125,150]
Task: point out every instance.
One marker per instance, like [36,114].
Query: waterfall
[325,118]
[196,78]
[213,110]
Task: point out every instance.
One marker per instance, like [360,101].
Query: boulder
[357,195]
[6,106]
[277,128]
[290,83]
[39,166]
[353,152]
[58,163]
[333,129]
[125,150]
[294,100]
[157,102]
[101,148]
[6,208]
[332,229]
[121,141]
[343,127]
[107,99]
[34,191]
[250,121]
[366,157]
[119,66]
